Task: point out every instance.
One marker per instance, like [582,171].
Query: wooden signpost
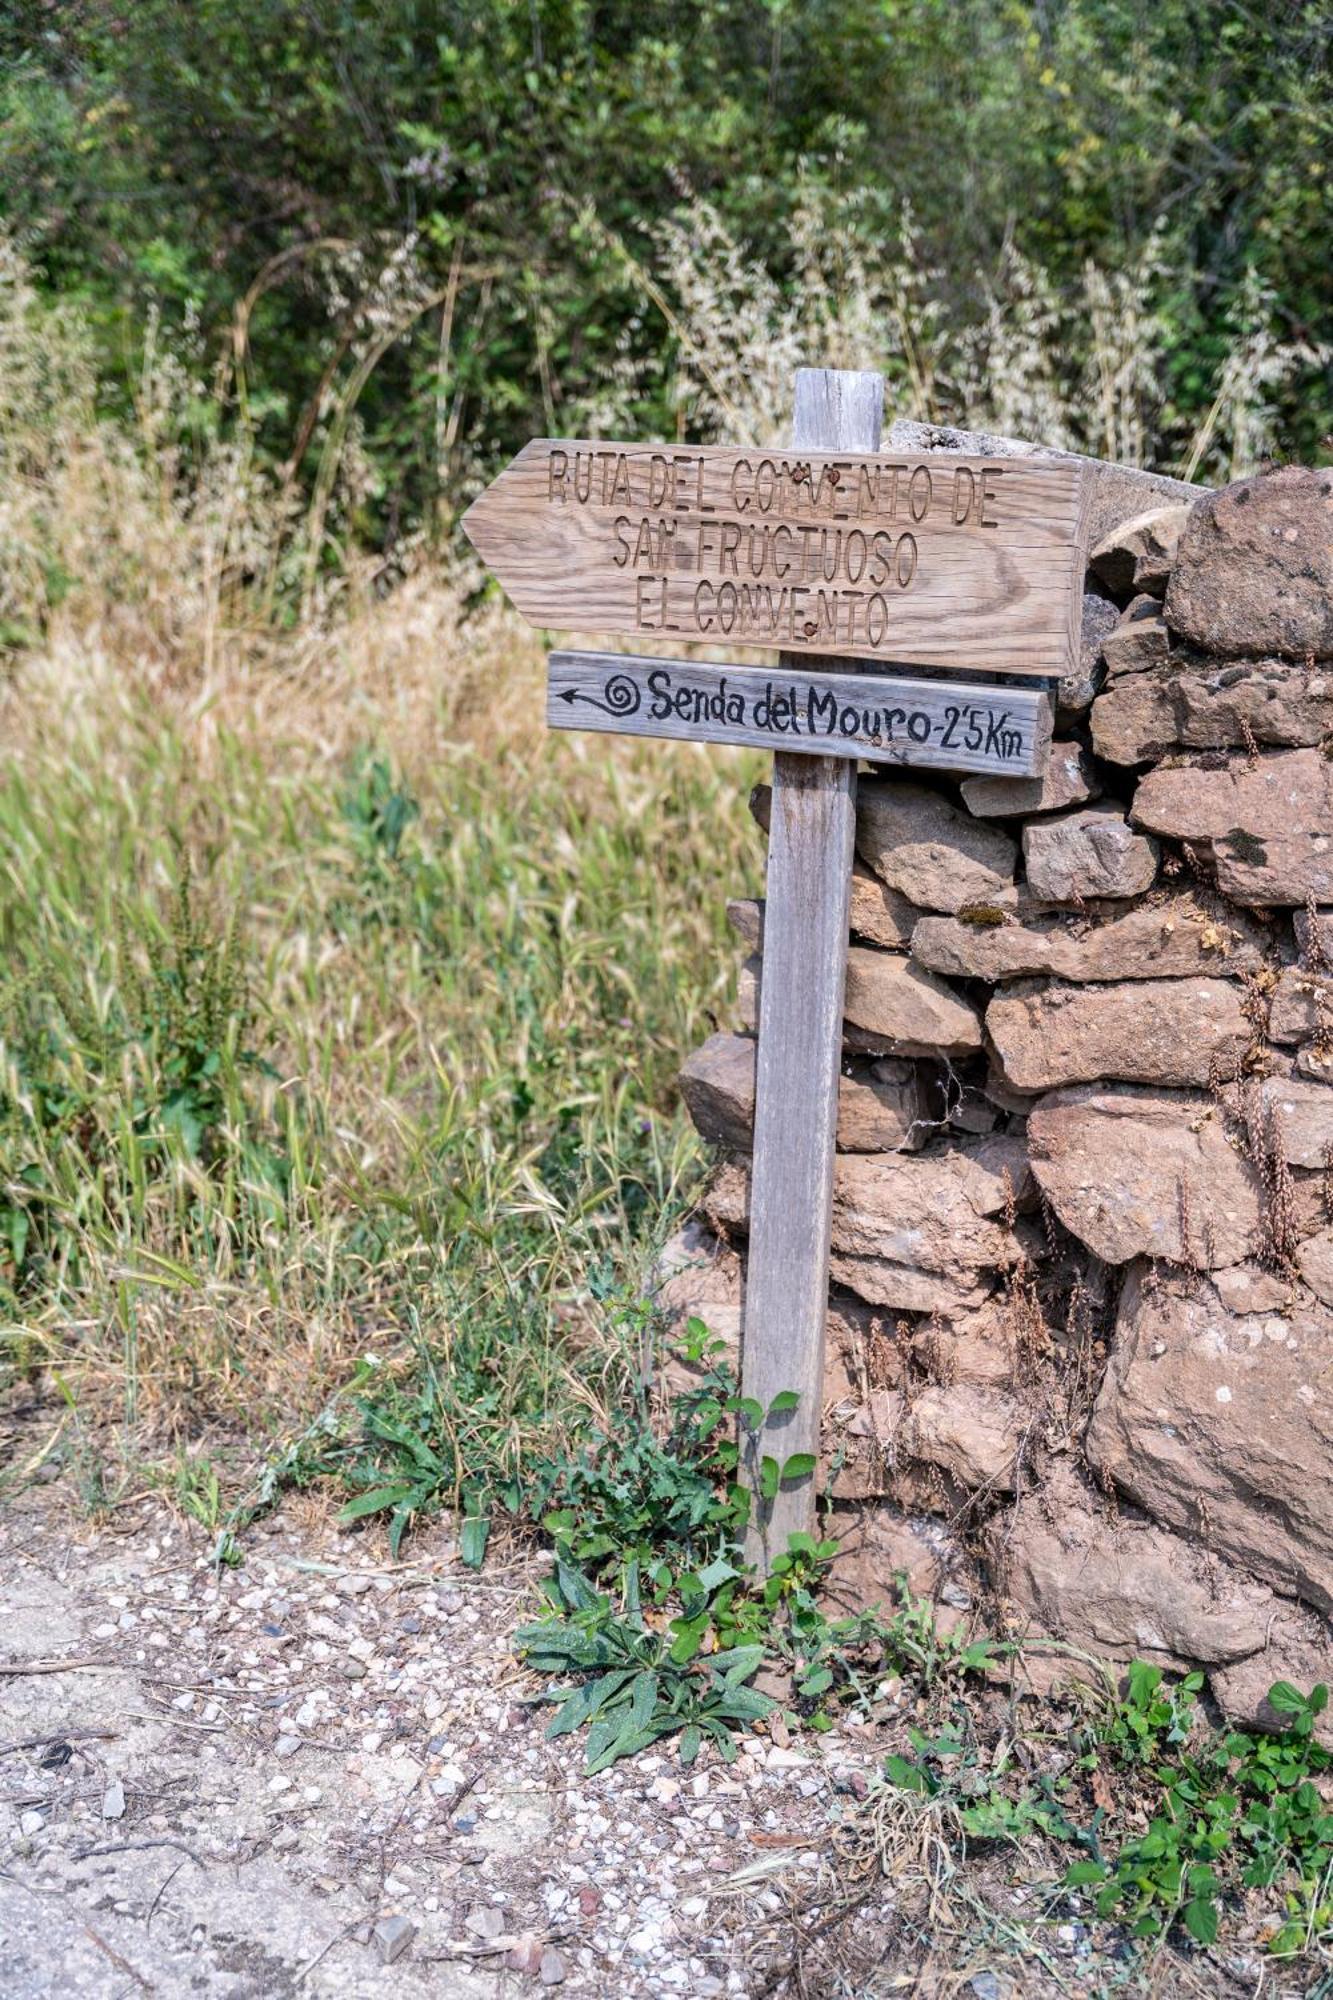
[954,563]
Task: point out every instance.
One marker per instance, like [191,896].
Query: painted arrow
[942,560]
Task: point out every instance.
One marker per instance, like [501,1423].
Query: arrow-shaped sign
[942,560]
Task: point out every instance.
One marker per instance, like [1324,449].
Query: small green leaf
[472,1540]
[375,1502]
[786,1399]
[770,1476]
[799,1466]
[1201,1920]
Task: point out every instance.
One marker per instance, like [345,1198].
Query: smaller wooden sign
[949,725]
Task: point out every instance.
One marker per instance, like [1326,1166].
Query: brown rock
[1174,938]
[1069,779]
[1270,701]
[1251,1288]
[1266,822]
[1314,938]
[878,1545]
[1136,1173]
[936,856]
[1254,569]
[1202,705]
[905,1009]
[1170,1031]
[1083,854]
[699,1276]
[1114,1584]
[1139,641]
[879,1112]
[1300,1119]
[891,1007]
[1298,1648]
[924,1240]
[877,913]
[1300,1005]
[1139,553]
[1314,1261]
[1076,691]
[970,1430]
[969,1347]
[746,917]
[1134,720]
[1206,1417]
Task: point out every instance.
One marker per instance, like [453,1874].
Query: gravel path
[316,1775]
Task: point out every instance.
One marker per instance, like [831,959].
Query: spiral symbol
[622,695]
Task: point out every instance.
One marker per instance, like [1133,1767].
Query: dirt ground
[317,1774]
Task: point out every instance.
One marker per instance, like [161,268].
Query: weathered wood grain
[972,563]
[811,830]
[945,725]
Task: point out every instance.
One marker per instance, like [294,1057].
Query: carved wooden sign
[941,560]
[952,725]
[969,566]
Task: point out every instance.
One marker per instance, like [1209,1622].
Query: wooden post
[800,1053]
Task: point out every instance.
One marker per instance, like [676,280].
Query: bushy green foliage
[527,154]
[1226,1811]
[1236,1809]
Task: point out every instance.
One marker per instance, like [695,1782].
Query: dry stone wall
[1080,1343]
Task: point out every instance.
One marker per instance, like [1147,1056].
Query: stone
[1115,493]
[391,1937]
[877,913]
[1300,1006]
[879,1544]
[1314,1261]
[919,1234]
[878,1112]
[1083,854]
[1174,937]
[905,1009]
[552,1971]
[1301,1119]
[973,1347]
[1298,1647]
[891,1007]
[1266,822]
[967,1432]
[1250,1288]
[1118,1585]
[1201,704]
[1314,938]
[1139,553]
[1137,1173]
[1164,1031]
[698,1275]
[1075,692]
[1068,780]
[1140,640]
[746,917]
[936,856]
[971,1430]
[1254,569]
[1205,1416]
[1133,720]
[113,1800]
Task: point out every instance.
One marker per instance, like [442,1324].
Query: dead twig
[16,1667]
